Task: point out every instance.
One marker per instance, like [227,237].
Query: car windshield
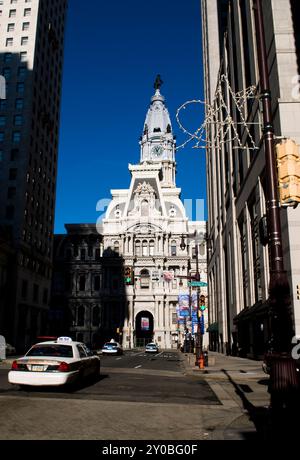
[151,345]
[60,351]
[110,345]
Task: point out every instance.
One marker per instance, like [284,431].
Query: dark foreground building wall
[88,294]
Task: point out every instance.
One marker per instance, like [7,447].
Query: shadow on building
[26,240]
[88,299]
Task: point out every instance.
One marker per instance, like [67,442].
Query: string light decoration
[226,119]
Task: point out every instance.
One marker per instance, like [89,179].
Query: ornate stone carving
[144,201]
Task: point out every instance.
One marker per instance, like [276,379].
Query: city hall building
[147,227]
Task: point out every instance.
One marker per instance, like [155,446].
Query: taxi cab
[54,363]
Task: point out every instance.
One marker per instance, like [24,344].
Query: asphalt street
[137,397]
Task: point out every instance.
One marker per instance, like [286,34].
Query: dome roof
[158,118]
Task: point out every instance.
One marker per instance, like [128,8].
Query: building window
[19,104]
[3,104]
[173,248]
[14,154]
[11,192]
[13,174]
[83,254]
[82,283]
[10,212]
[12,13]
[20,88]
[151,247]
[6,73]
[145,248]
[138,248]
[97,254]
[97,283]
[7,58]
[18,120]
[9,41]
[25,26]
[24,41]
[16,138]
[11,27]
[96,316]
[2,120]
[22,71]
[27,12]
[35,293]
[80,316]
[145,279]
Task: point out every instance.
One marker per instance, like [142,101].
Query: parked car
[112,348]
[151,348]
[54,363]
[10,350]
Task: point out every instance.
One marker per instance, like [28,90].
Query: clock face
[157,151]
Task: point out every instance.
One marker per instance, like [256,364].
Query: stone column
[156,315]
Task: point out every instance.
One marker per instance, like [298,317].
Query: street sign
[197,284]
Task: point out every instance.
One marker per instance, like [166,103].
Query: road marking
[137,367]
[118,359]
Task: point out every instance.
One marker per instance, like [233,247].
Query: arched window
[173,248]
[151,247]
[96,316]
[145,279]
[145,208]
[138,248]
[145,248]
[80,316]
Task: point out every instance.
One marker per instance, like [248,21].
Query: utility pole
[283,376]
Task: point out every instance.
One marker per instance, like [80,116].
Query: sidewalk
[242,388]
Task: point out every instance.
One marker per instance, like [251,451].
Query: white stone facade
[146,224]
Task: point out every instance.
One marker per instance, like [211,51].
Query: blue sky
[113,52]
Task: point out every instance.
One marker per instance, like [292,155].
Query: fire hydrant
[201,361]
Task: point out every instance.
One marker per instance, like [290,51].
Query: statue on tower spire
[158,82]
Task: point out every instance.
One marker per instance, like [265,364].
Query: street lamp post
[196,277]
[199,334]
[283,376]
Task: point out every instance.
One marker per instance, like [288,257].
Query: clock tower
[146,226]
[157,143]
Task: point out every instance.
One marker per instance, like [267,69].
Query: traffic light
[298,291]
[128,275]
[288,164]
[202,303]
